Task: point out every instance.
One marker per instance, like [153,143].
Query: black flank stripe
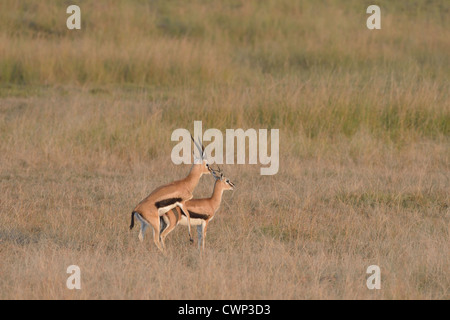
[166,202]
[195,215]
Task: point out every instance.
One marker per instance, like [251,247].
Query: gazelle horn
[197,144]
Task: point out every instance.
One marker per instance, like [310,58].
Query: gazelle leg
[200,235]
[171,224]
[154,221]
[164,223]
[182,206]
[205,225]
[142,231]
[144,226]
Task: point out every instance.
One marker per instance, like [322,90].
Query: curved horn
[213,172]
[200,149]
[203,147]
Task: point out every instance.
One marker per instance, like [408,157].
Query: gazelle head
[201,161]
[225,183]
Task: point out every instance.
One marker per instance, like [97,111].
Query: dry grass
[85,124]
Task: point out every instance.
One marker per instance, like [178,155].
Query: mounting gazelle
[169,196]
[201,211]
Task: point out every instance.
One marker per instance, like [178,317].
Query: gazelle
[201,211]
[167,197]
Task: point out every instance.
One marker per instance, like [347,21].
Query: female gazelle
[201,211]
[169,196]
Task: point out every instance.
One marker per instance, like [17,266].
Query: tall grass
[158,42]
[85,124]
[320,68]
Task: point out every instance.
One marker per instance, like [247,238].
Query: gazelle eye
[228,181]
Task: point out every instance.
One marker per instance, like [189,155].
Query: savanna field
[86,118]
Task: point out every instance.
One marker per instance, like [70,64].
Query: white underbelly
[194,222]
[163,210]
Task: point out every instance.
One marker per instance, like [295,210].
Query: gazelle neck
[216,197]
[194,177]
